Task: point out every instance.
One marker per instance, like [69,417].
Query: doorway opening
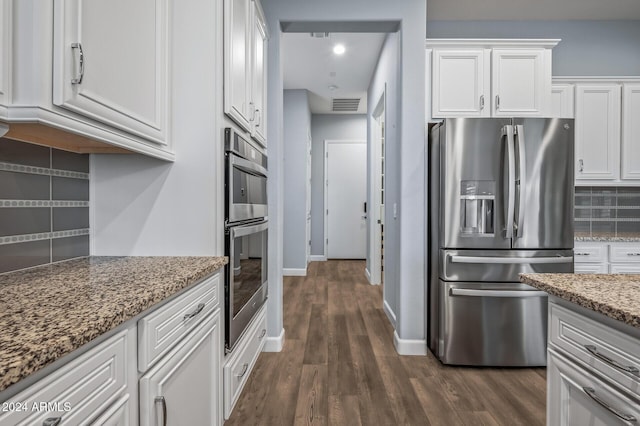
[378,191]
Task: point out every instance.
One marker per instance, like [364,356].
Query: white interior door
[346,187]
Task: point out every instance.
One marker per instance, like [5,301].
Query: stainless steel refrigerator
[501,203]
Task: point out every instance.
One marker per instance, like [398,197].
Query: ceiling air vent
[345,104]
[319,35]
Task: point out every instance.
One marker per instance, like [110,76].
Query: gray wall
[144,206]
[323,127]
[385,80]
[590,48]
[411,17]
[297,127]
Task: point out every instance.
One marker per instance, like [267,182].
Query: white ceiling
[308,63]
[532,9]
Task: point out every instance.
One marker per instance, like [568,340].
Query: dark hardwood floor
[339,367]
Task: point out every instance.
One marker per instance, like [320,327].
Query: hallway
[339,367]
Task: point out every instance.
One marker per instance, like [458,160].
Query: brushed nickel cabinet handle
[78,79]
[481,102]
[591,392]
[594,351]
[52,421]
[161,400]
[194,313]
[497,102]
[581,165]
[264,331]
[633,254]
[245,367]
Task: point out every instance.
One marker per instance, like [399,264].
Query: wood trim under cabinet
[41,134]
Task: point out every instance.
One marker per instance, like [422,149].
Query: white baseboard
[318,258]
[409,347]
[274,344]
[293,272]
[368,274]
[390,314]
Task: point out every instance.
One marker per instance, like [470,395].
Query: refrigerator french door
[501,203]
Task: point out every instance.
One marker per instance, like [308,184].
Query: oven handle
[247,166]
[241,231]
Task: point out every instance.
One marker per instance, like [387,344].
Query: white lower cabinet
[576,397]
[183,387]
[77,393]
[592,368]
[607,258]
[240,362]
[163,369]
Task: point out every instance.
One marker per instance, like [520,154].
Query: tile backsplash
[44,205]
[611,211]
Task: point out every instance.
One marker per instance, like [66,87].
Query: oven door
[246,192]
[246,277]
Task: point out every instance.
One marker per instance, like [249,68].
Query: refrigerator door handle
[507,131]
[496,293]
[510,260]
[522,178]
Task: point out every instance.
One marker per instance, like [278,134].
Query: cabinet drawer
[77,392]
[159,331]
[575,396]
[590,254]
[241,361]
[611,353]
[624,268]
[627,253]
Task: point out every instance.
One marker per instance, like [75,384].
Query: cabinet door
[578,397]
[597,135]
[183,388]
[460,83]
[5,54]
[631,132]
[561,101]
[521,82]
[259,75]
[591,268]
[111,62]
[237,61]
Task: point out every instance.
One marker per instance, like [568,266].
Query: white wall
[587,48]
[385,79]
[332,127]
[297,128]
[411,15]
[143,206]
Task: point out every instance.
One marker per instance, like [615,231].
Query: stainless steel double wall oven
[246,228]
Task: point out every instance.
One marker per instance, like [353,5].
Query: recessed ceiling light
[333,87]
[339,49]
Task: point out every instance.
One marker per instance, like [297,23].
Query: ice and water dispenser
[477,202]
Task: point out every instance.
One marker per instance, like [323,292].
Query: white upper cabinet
[490,78]
[460,86]
[520,82]
[259,75]
[631,131]
[237,60]
[5,55]
[87,76]
[110,63]
[245,56]
[562,100]
[597,135]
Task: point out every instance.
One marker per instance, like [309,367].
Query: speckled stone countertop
[616,296]
[49,311]
[607,237]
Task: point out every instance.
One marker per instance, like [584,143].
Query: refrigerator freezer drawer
[501,265]
[492,324]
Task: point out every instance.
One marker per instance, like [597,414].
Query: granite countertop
[614,295]
[49,311]
[607,237]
